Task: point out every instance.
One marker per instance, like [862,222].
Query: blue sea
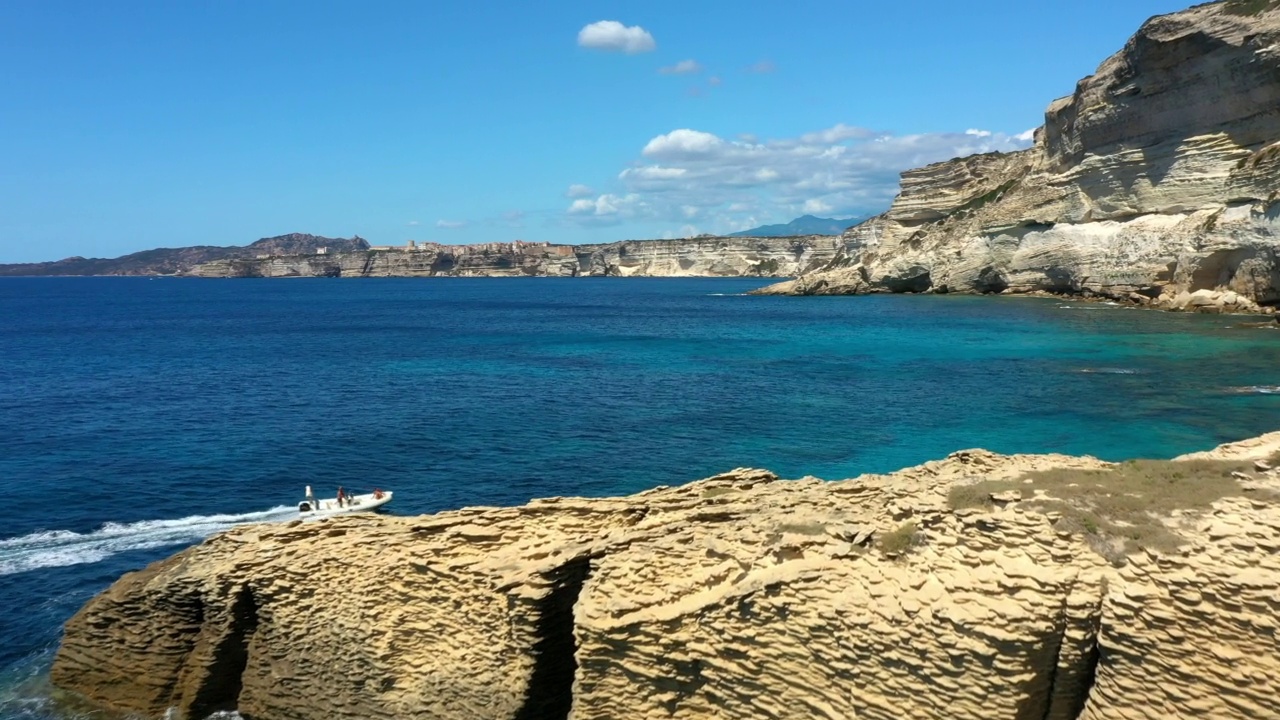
[138,416]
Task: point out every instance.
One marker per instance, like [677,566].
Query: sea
[139,416]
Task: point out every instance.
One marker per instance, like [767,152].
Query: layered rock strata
[739,596]
[691,257]
[1157,179]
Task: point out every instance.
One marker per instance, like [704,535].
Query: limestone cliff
[956,589]
[1157,179]
[690,257]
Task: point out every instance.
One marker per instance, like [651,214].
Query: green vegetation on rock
[1250,7]
[900,540]
[1122,508]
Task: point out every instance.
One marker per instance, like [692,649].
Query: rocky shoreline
[1155,182]
[978,586]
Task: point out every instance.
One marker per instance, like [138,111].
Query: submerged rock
[739,596]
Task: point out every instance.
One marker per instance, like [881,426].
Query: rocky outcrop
[174,261]
[690,257]
[739,596]
[1159,177]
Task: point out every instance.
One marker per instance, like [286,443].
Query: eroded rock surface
[739,596]
[1157,179]
[689,257]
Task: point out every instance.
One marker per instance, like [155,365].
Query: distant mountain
[806,225]
[167,261]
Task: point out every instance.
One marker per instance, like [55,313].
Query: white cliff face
[1159,177]
[692,257]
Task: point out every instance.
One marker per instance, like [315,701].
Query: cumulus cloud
[726,184]
[451,224]
[613,36]
[684,67]
[579,191]
[609,209]
[682,144]
[762,67]
[1028,136]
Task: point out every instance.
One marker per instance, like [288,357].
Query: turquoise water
[138,416]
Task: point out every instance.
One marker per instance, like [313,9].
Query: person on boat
[311,500]
[377,494]
[342,496]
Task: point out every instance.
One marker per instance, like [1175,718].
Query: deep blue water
[137,415]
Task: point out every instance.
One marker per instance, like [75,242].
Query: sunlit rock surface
[739,596]
[688,257]
[1157,178]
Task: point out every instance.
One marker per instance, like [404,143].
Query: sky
[132,125]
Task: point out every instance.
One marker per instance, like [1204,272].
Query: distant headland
[303,255]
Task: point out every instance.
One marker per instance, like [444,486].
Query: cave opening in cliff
[550,692]
[220,691]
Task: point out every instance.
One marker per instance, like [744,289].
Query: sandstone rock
[1157,176]
[740,596]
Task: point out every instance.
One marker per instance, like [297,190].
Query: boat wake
[1108,371]
[1257,390]
[58,548]
[1090,306]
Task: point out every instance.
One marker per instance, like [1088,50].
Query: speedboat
[313,509]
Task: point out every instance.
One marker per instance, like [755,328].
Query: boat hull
[329,507]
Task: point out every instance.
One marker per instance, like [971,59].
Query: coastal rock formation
[173,261]
[917,594]
[1158,178]
[689,257]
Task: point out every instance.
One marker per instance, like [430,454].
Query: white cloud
[679,144]
[451,224]
[836,134]
[613,36]
[513,218]
[814,206]
[762,67]
[413,223]
[684,67]
[1026,137]
[836,171]
[714,81]
[579,191]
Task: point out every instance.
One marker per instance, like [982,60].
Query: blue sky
[131,125]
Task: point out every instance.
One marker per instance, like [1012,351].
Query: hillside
[803,225]
[174,261]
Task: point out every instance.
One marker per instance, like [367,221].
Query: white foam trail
[58,548]
[1109,371]
[1258,389]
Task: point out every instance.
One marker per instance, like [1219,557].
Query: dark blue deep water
[137,416]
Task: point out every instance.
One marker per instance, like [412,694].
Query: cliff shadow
[223,679]
[550,692]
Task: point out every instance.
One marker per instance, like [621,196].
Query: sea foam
[58,548]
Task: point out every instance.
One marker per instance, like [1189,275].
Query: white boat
[313,509]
